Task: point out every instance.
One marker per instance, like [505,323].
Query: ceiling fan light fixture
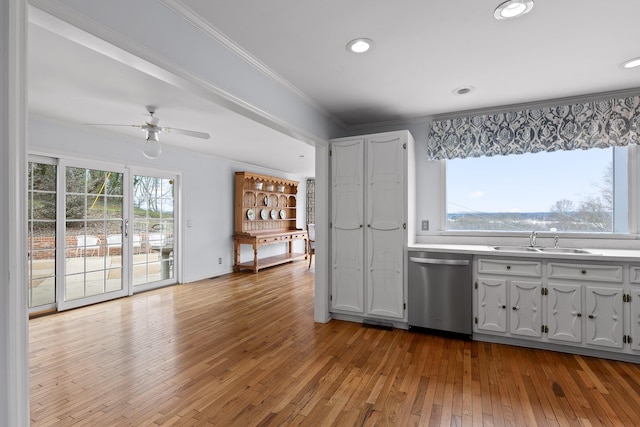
[632,63]
[360,45]
[512,9]
[152,148]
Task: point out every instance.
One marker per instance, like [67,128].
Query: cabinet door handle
[591,316]
[579,314]
[504,306]
[514,308]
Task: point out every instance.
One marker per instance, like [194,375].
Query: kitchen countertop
[608,255]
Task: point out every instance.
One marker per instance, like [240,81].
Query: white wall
[207,190]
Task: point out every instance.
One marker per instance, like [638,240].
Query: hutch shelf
[265,214]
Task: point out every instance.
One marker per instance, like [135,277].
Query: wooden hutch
[265,214]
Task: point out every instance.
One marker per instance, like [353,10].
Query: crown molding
[537,104]
[194,19]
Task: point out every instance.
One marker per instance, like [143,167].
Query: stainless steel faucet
[532,238]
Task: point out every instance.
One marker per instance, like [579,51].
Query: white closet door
[385,226]
[347,245]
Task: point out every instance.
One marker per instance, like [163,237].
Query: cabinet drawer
[269,239]
[598,273]
[510,267]
[634,274]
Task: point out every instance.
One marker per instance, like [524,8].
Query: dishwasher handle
[439,261]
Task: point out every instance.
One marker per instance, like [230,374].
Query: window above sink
[578,191]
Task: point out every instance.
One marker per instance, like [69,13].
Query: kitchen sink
[541,249]
[565,250]
[516,248]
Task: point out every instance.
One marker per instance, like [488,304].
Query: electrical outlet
[219,260]
[188,223]
[425,225]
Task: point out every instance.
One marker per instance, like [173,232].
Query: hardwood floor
[243,349]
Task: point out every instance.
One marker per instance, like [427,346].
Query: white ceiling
[423,51]
[74,84]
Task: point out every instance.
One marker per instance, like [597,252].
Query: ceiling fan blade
[111,124]
[202,135]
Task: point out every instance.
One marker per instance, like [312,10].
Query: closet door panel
[385,183]
[347,231]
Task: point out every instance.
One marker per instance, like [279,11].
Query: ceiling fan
[152,148]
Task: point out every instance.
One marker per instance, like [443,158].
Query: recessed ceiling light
[359,45]
[463,90]
[513,9]
[632,63]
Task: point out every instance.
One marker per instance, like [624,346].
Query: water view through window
[561,191]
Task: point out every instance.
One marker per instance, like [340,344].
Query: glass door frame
[53,161]
[177,228]
[61,302]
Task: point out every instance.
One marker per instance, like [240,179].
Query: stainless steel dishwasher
[440,292]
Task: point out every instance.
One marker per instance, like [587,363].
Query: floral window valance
[603,123]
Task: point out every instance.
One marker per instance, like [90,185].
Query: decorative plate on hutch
[251,214]
[264,214]
[274,214]
[283,214]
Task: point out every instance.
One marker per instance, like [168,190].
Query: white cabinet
[492,304]
[591,273]
[633,299]
[386,224]
[369,196]
[598,319]
[560,304]
[634,332]
[510,267]
[604,317]
[347,233]
[505,301]
[526,308]
[564,312]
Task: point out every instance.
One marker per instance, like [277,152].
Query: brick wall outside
[43,247]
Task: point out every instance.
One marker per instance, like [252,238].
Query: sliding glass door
[154,206]
[41,233]
[97,232]
[95,235]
